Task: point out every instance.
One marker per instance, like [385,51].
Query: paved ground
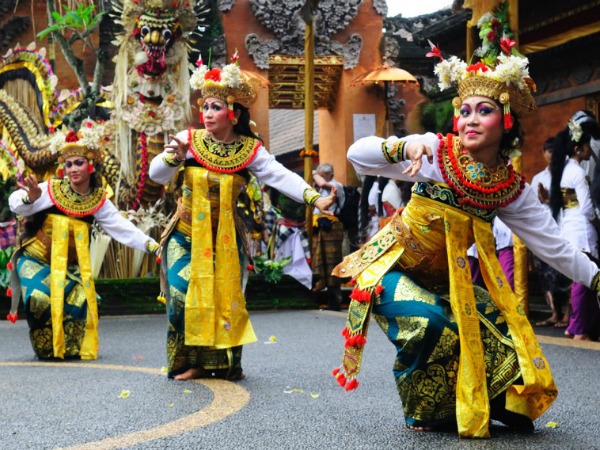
[288,400]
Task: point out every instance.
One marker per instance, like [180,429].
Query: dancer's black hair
[242,127]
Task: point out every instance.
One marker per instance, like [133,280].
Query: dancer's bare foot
[190,374]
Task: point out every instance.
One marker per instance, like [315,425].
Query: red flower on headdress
[478,66]
[199,62]
[71,136]
[491,36]
[495,23]
[235,56]
[213,74]
[435,52]
[506,44]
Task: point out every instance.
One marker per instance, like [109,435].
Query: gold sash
[215,307]
[62,227]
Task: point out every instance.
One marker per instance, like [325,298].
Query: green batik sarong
[34,278]
[420,325]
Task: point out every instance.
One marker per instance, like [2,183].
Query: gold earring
[234,121]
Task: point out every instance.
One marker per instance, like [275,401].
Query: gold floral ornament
[229,84]
[502,74]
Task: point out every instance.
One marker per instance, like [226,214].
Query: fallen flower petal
[315,394]
[292,391]
[187,391]
[552,425]
[125,393]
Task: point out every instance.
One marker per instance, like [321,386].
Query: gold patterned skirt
[420,325]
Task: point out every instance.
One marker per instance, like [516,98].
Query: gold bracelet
[394,150]
[311,196]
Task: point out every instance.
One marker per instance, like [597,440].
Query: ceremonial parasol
[386,74]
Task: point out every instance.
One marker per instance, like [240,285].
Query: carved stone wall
[283,20]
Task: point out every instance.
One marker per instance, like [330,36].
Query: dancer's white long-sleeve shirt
[108,217]
[264,167]
[525,216]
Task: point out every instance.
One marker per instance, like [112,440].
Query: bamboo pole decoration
[309,98]
[519,249]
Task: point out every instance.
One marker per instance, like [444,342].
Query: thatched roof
[286,130]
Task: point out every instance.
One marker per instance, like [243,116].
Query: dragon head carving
[156,31]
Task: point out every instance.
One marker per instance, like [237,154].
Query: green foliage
[493,27]
[5,256]
[6,188]
[438,116]
[270,269]
[81,19]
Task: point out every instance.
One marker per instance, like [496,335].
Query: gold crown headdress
[87,143]
[229,84]
[502,74]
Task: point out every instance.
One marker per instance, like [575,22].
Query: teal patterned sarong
[420,325]
[34,277]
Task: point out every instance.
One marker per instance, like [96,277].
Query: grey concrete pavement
[288,400]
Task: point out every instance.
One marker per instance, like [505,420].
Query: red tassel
[9,292]
[201,117]
[508,121]
[346,333]
[91,168]
[352,282]
[352,384]
[230,114]
[250,267]
[158,259]
[341,379]
[9,265]
[335,371]
[455,123]
[360,340]
[12,317]
[60,173]
[379,289]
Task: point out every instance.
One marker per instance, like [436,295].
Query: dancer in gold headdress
[52,269]
[206,246]
[464,355]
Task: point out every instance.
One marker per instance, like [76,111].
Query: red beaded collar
[473,182]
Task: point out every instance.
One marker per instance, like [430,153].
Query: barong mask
[229,84]
[502,73]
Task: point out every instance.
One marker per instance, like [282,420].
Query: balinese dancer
[464,355]
[205,249]
[52,269]
[573,208]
